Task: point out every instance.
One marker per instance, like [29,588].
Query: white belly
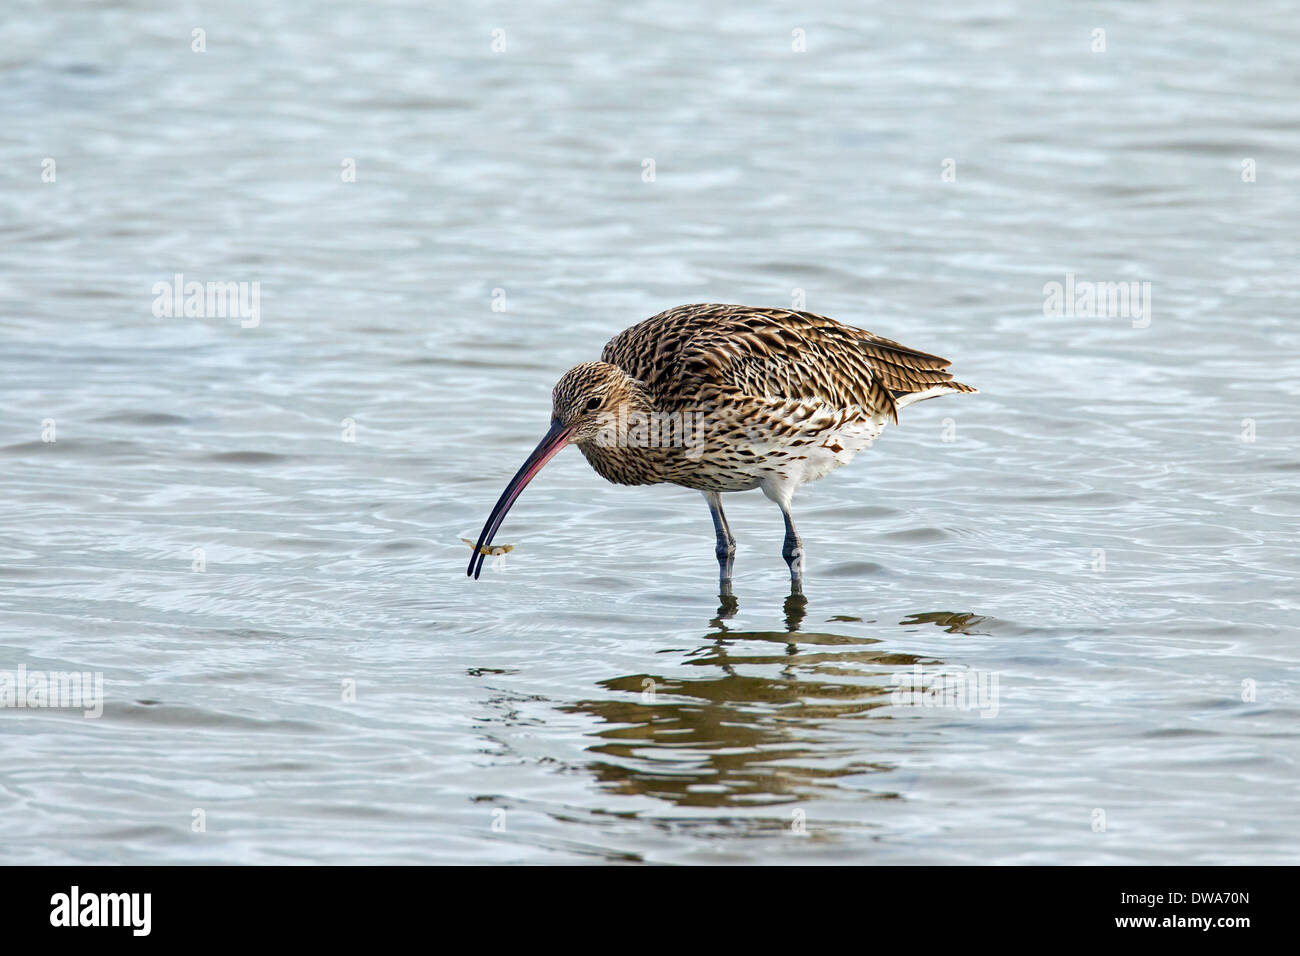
[780,446]
[820,440]
[835,447]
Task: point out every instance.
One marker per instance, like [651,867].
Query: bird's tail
[906,375]
[903,399]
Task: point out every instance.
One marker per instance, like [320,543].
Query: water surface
[1108,529]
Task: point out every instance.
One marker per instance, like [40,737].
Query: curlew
[726,398]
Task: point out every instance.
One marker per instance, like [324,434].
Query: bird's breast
[624,464]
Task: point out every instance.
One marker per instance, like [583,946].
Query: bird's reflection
[951,621]
[727,608]
[796,608]
[756,727]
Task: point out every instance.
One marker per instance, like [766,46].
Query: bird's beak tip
[555,439]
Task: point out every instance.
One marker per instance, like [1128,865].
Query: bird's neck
[634,444]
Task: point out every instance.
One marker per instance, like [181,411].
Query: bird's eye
[593,404]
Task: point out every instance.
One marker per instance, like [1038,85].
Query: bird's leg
[726,549]
[792,551]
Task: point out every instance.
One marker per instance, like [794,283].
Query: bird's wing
[774,354]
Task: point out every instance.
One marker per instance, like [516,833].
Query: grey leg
[726,549]
[792,551]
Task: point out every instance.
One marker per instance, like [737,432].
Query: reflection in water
[950,621]
[753,728]
[796,607]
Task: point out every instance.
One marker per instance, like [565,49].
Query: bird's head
[583,402]
[587,396]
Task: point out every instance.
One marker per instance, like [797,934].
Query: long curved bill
[555,439]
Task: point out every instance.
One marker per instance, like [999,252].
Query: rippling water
[1108,531]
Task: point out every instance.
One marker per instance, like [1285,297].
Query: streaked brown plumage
[732,398]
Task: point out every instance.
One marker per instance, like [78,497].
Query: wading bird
[728,398]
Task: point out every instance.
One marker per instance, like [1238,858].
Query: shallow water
[1108,529]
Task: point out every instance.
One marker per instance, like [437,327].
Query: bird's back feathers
[691,353]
